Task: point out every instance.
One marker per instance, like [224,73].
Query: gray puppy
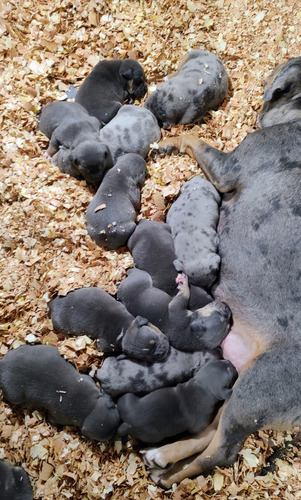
[75,146]
[93,312]
[39,377]
[109,85]
[111,215]
[119,376]
[282,94]
[193,218]
[200,84]
[203,328]
[14,482]
[132,130]
[188,407]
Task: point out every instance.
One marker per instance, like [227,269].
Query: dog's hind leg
[266,395]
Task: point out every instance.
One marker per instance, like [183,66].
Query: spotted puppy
[111,215]
[93,312]
[282,94]
[39,377]
[132,130]
[203,328]
[193,218]
[75,146]
[109,85]
[200,84]
[188,407]
[119,376]
[14,482]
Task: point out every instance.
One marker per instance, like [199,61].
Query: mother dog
[260,280]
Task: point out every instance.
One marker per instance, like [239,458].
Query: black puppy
[119,376]
[39,377]
[75,146]
[14,482]
[188,407]
[93,312]
[203,328]
[111,215]
[109,85]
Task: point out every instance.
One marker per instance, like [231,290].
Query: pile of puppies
[164,327]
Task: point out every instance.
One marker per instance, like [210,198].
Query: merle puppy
[39,377]
[93,312]
[109,85]
[111,215]
[75,146]
[200,84]
[188,407]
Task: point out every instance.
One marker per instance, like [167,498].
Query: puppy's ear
[73,159]
[127,73]
[141,321]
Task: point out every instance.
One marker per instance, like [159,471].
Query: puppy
[282,94]
[119,376]
[204,328]
[93,312]
[14,482]
[193,218]
[109,85]
[39,377]
[132,130]
[111,215]
[188,407]
[75,146]
[200,84]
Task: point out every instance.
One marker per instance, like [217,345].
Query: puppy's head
[102,422]
[133,78]
[210,324]
[282,94]
[217,377]
[91,159]
[201,272]
[144,341]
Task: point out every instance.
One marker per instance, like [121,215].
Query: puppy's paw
[47,156]
[152,458]
[181,280]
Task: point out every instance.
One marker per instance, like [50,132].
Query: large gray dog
[259,243]
[200,84]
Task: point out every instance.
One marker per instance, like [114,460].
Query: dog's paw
[181,280]
[152,458]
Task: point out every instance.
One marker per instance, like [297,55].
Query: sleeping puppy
[119,376]
[75,146]
[203,328]
[282,94]
[93,312]
[14,482]
[109,85]
[193,218]
[39,377]
[111,215]
[188,407]
[200,84]
[132,130]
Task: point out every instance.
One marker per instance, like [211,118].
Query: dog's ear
[141,321]
[73,159]
[127,73]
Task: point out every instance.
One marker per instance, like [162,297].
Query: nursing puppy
[39,377]
[282,94]
[93,312]
[119,376]
[109,85]
[204,328]
[75,146]
[14,482]
[188,407]
[111,215]
[200,84]
[193,218]
[132,130]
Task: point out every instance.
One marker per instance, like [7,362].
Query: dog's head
[144,341]
[133,78]
[282,94]
[210,324]
[92,160]
[218,377]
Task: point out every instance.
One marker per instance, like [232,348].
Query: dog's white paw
[152,458]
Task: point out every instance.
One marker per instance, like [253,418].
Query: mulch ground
[45,249]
